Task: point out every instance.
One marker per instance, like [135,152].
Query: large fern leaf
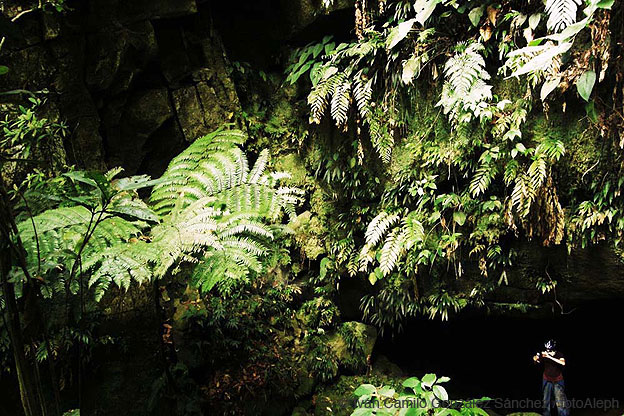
[561,13]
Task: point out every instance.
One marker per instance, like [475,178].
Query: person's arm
[560,360]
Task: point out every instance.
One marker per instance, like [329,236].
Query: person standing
[552,383]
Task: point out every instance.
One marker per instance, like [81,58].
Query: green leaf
[365,389]
[3,69]
[134,208]
[568,32]
[398,33]
[440,392]
[585,84]
[605,4]
[372,278]
[323,267]
[475,15]
[135,182]
[459,217]
[590,109]
[429,379]
[424,9]
[410,68]
[534,20]
[549,86]
[386,391]
[411,382]
[412,411]
[541,61]
[443,380]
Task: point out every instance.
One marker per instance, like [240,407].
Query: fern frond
[259,167]
[318,97]
[362,92]
[561,13]
[392,250]
[465,88]
[378,227]
[482,179]
[340,101]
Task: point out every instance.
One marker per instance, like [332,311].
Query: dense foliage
[418,396]
[471,172]
[395,175]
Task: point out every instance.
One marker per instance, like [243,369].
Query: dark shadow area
[260,31]
[492,355]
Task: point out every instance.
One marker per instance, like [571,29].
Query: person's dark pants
[556,388]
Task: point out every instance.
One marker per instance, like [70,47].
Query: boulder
[383,366]
[205,105]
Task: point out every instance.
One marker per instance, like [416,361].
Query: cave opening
[492,355]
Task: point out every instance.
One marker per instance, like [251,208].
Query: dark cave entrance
[492,355]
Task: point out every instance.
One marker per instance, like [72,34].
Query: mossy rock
[383,366]
[353,344]
[309,233]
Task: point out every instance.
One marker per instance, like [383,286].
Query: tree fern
[211,211]
[214,212]
[215,166]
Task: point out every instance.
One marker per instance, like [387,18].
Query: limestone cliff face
[134,80]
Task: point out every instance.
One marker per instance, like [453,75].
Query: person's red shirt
[552,371]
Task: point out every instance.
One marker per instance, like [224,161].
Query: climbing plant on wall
[471,174]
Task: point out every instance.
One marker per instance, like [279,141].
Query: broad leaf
[549,86]
[429,379]
[411,382]
[410,68]
[475,15]
[386,391]
[365,389]
[459,217]
[585,84]
[424,9]
[534,20]
[398,33]
[440,392]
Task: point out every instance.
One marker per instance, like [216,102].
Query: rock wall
[135,80]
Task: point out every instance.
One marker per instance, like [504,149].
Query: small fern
[465,92]
[392,236]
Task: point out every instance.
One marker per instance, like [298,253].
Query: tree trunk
[28,389]
[30,393]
